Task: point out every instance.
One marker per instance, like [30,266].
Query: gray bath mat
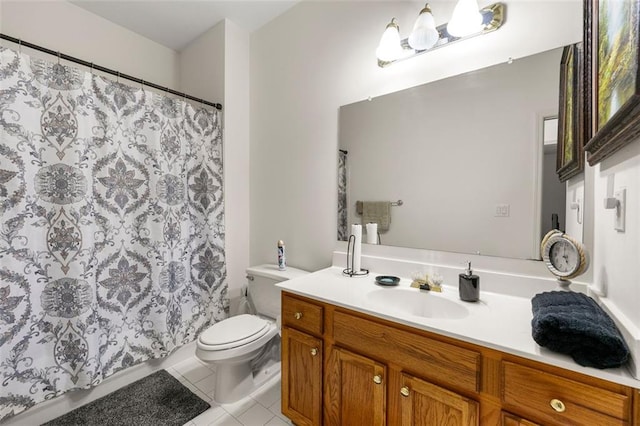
[156,400]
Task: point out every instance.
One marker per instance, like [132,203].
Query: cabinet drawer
[425,357]
[302,315]
[557,400]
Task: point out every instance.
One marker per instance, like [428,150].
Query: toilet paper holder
[349,270]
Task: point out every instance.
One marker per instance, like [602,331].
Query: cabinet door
[423,403]
[509,419]
[355,391]
[301,377]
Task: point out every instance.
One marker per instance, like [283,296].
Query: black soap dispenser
[469,285]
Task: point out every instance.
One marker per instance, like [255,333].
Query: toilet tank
[264,294]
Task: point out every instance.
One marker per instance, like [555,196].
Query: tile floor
[262,407]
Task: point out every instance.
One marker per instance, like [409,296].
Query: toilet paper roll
[356,231]
[372,233]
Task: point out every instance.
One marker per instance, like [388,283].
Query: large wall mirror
[472,157]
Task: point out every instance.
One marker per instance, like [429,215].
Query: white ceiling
[176,23]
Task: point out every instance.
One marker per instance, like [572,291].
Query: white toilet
[234,342]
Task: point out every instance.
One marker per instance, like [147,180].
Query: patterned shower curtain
[342,196]
[111,230]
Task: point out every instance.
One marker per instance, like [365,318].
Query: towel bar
[359,205]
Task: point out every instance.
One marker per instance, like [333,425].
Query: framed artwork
[570,154]
[611,38]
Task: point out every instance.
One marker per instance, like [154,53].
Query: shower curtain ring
[58,57]
[91,68]
[19,45]
[118,77]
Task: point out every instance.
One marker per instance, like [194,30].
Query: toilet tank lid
[272,271]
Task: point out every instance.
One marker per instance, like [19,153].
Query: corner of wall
[236,153]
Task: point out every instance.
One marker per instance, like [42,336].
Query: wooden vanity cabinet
[341,367]
[302,361]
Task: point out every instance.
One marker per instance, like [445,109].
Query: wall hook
[576,206]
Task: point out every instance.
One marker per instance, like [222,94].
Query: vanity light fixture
[390,48]
[424,35]
[467,21]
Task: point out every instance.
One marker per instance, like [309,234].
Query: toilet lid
[235,329]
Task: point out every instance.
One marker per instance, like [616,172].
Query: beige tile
[226,420]
[255,416]
[277,421]
[275,408]
[239,407]
[268,394]
[207,384]
[209,416]
[197,391]
[175,373]
[192,369]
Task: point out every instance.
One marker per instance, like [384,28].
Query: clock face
[564,256]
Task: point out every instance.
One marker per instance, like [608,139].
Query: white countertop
[497,321]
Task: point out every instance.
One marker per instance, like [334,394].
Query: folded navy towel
[574,324]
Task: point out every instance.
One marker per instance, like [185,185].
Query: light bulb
[424,35]
[466,19]
[389,48]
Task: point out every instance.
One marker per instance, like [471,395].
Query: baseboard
[49,410]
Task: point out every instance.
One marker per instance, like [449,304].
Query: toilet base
[237,381]
[233,382]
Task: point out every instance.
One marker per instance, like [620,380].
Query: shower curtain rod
[107,70]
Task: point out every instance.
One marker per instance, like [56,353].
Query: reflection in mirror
[466,156]
[553,191]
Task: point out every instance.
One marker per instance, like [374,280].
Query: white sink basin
[415,302]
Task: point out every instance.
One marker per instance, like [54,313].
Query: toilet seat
[233,332]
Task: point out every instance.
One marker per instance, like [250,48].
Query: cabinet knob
[557,405]
[377,379]
[297,315]
[404,391]
[314,351]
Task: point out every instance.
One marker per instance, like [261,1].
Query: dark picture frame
[611,36]
[570,151]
